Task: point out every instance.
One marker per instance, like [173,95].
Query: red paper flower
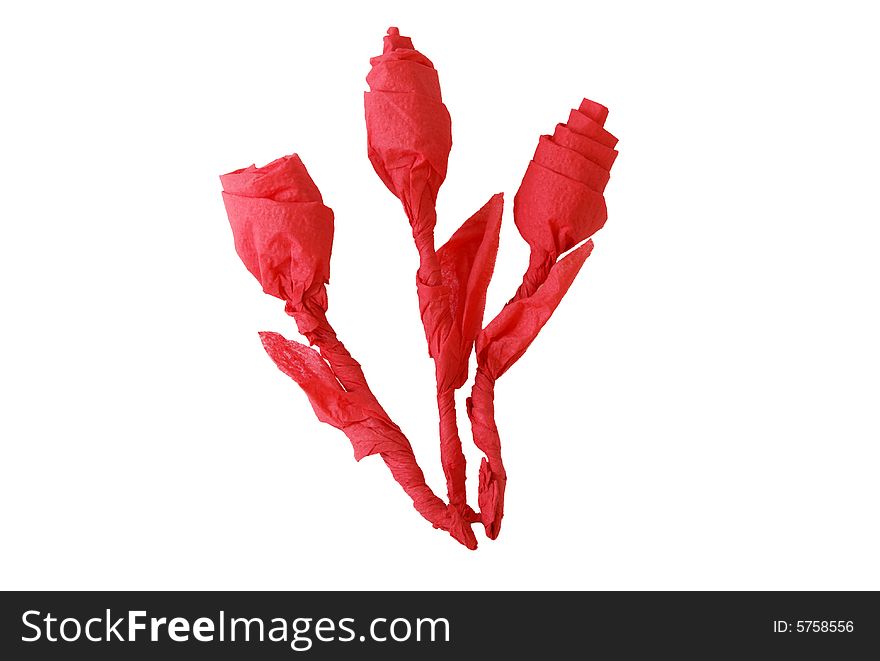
[409,132]
[409,138]
[560,201]
[283,232]
[559,204]
[284,235]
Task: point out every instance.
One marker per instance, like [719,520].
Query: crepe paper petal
[401,68]
[554,212]
[408,128]
[467,261]
[285,245]
[577,121]
[589,119]
[570,163]
[283,232]
[587,147]
[402,76]
[408,133]
[507,337]
[595,111]
[370,432]
[284,180]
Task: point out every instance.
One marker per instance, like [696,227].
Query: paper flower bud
[409,133]
[560,202]
[283,232]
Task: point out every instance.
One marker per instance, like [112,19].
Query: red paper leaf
[507,337]
[369,431]
[467,261]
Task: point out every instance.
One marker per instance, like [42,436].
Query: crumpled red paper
[283,234]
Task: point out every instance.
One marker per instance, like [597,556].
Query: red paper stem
[493,477]
[481,411]
[313,323]
[544,285]
[535,275]
[451,455]
[311,320]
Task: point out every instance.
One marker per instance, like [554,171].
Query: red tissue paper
[284,235]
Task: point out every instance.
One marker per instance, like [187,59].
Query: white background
[701,412]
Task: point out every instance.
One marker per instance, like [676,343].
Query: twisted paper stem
[434,295]
[313,324]
[481,411]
